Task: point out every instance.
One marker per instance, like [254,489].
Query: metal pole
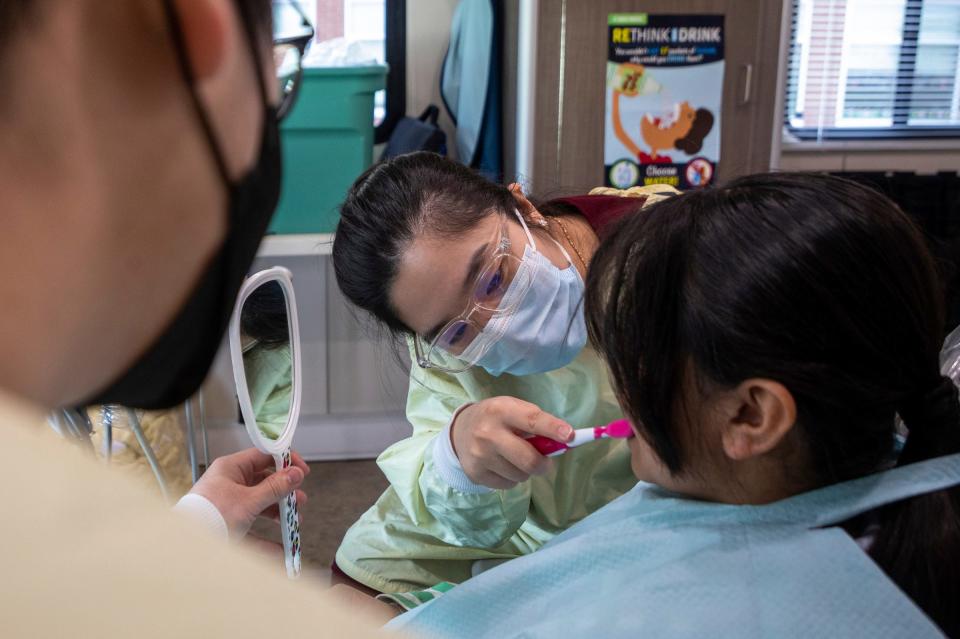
[106,417]
[80,432]
[203,432]
[147,451]
[191,440]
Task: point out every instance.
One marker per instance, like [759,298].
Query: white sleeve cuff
[448,465]
[201,510]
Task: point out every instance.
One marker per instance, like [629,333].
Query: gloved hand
[243,486]
[488,438]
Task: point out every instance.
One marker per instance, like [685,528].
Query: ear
[527,210]
[757,415]
[207,33]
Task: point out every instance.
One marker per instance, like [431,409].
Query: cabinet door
[570,81]
[363,374]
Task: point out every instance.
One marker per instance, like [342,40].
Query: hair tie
[933,419]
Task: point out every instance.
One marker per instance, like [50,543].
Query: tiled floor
[338,493]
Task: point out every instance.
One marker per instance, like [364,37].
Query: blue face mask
[546,331]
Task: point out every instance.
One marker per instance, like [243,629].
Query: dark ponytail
[918,542]
[816,282]
[932,418]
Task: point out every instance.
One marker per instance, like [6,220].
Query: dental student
[487,290]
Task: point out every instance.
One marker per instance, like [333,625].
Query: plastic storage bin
[327,142]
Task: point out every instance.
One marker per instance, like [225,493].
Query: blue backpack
[417,134]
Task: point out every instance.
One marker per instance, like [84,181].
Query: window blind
[874,69]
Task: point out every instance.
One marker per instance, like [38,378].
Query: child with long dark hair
[763,339]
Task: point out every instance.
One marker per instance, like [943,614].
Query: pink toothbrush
[619,429]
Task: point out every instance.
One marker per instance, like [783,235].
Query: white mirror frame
[283,277]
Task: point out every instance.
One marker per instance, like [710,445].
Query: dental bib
[653,563]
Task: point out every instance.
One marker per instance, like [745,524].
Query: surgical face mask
[546,331]
[175,365]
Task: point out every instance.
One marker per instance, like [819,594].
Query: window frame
[395,50]
[899,129]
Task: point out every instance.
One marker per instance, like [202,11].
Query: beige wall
[428,34]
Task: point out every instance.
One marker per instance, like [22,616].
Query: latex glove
[244,486]
[488,438]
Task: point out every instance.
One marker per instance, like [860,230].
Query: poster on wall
[664,90]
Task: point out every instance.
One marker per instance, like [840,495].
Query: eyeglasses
[288,52]
[488,299]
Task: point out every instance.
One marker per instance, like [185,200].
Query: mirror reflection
[267,358]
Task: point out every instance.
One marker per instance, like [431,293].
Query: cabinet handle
[747,73]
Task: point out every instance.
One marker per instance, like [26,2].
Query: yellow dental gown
[421,531]
[269,372]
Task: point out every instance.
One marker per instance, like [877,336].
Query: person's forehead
[428,287]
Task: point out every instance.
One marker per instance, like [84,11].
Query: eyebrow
[476,261]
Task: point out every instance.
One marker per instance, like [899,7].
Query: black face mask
[175,365]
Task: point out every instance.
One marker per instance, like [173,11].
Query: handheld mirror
[265,352]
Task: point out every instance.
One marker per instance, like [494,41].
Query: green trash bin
[327,142]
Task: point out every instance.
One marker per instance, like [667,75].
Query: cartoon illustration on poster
[664,89]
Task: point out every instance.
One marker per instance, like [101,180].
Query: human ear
[757,415]
[527,210]
[207,34]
